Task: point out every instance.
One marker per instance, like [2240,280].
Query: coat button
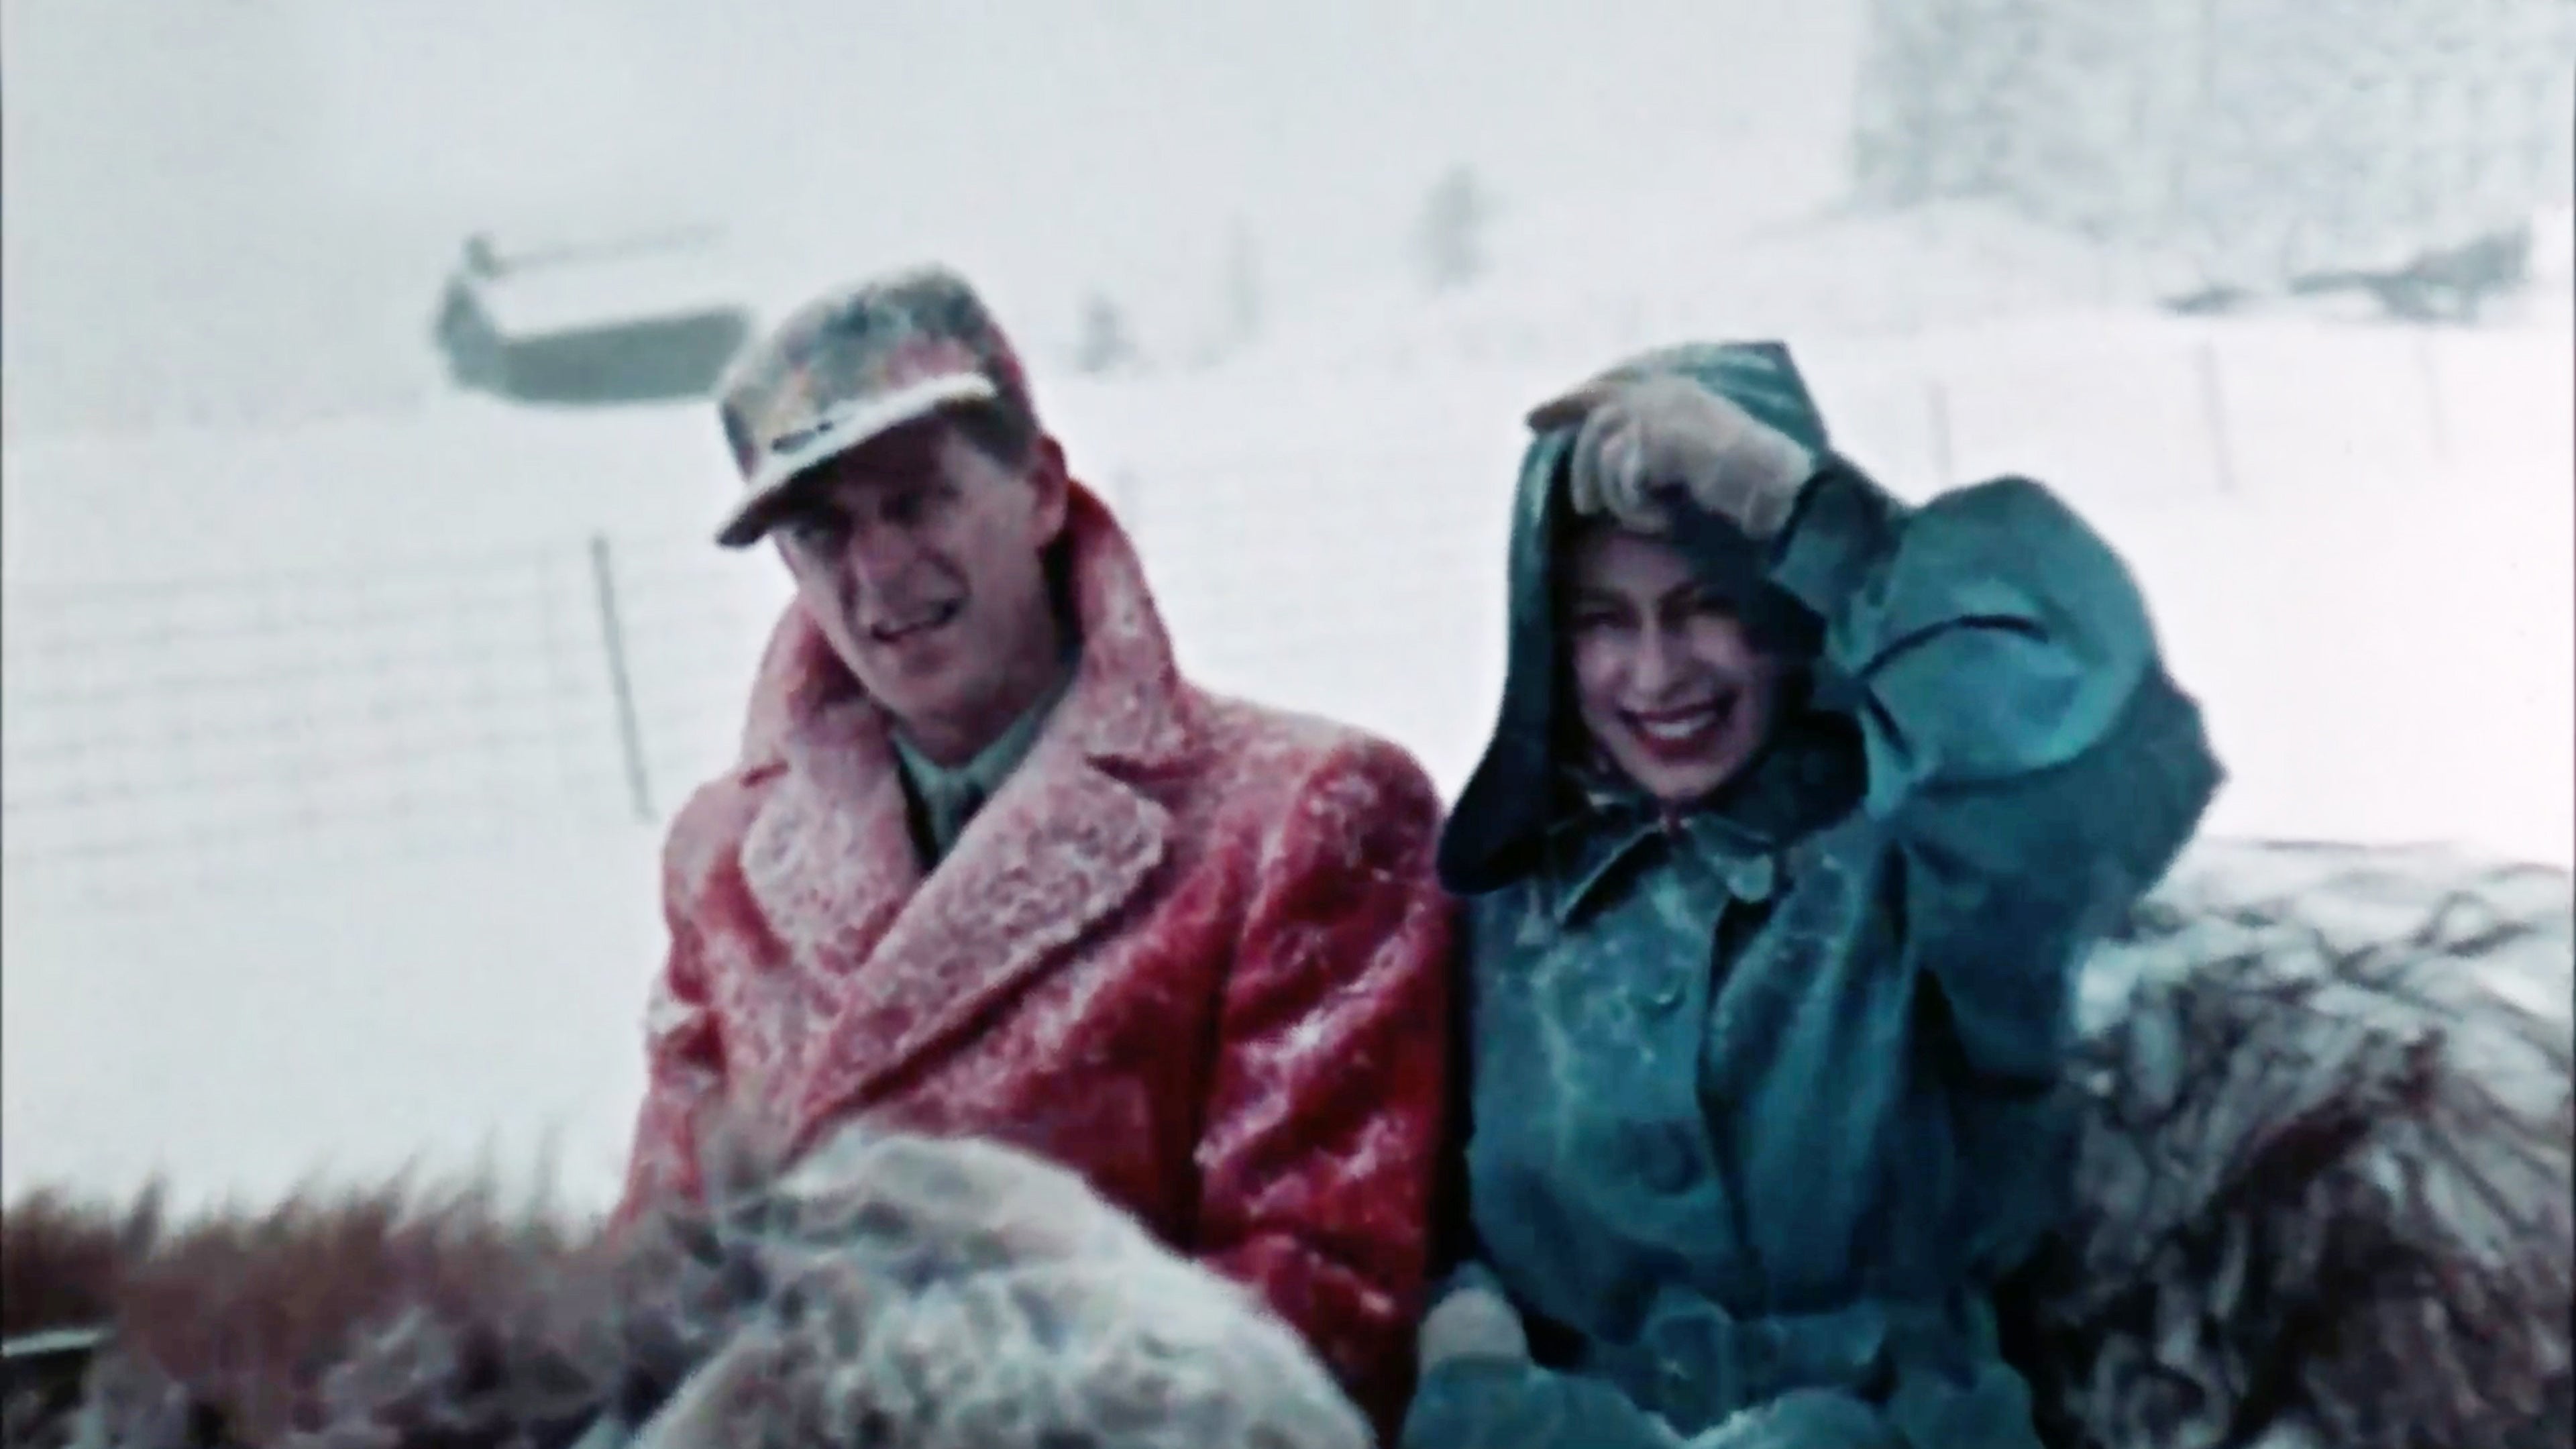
[1661,1155]
[1666,996]
[1673,1380]
[1753,880]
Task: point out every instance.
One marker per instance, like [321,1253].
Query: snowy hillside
[323,847]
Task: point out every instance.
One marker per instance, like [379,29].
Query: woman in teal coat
[1802,807]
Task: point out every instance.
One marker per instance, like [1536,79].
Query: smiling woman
[1773,926]
[1669,677]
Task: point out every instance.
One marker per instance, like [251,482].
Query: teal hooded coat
[1763,1097]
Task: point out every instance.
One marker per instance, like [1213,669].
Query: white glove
[1647,437]
[1471,1323]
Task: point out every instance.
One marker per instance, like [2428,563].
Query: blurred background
[363,630]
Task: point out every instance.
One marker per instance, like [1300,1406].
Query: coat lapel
[829,857]
[1056,852]
[1062,845]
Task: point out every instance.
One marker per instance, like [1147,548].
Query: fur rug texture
[885,1290]
[2323,1188]
[2324,1184]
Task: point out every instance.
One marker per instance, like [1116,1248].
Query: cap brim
[837,432]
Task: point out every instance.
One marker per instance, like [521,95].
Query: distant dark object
[2450,284]
[1449,235]
[640,320]
[41,1376]
[2210,302]
[1105,345]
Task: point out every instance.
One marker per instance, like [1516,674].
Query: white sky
[238,183]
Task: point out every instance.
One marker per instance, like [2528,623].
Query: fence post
[2213,403]
[1937,404]
[630,736]
[1125,502]
[2438,416]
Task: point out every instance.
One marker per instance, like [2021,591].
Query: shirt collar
[950,796]
[1809,774]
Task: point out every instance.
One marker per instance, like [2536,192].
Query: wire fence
[207,729]
[190,725]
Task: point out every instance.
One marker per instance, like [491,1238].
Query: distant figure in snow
[989,865]
[1802,811]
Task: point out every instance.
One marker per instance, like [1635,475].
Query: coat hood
[1508,800]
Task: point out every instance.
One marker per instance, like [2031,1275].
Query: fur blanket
[2323,1199]
[885,1290]
[2324,1183]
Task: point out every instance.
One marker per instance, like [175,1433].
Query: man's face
[1666,678]
[922,559]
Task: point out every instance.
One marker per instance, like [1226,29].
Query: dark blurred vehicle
[639,319]
[2446,284]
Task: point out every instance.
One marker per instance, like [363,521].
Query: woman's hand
[1646,437]
[1471,1323]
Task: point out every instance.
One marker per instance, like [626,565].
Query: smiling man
[988,865]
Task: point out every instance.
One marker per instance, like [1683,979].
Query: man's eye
[815,530]
[1592,621]
[910,506]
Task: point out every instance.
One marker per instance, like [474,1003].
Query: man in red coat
[989,865]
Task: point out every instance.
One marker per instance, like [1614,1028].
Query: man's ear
[1053,486]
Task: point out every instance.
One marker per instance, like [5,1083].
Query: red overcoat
[1193,948]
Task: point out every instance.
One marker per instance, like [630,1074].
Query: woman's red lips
[1680,734]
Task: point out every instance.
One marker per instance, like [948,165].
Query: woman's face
[1666,678]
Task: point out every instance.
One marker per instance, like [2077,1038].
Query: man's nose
[878,555]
